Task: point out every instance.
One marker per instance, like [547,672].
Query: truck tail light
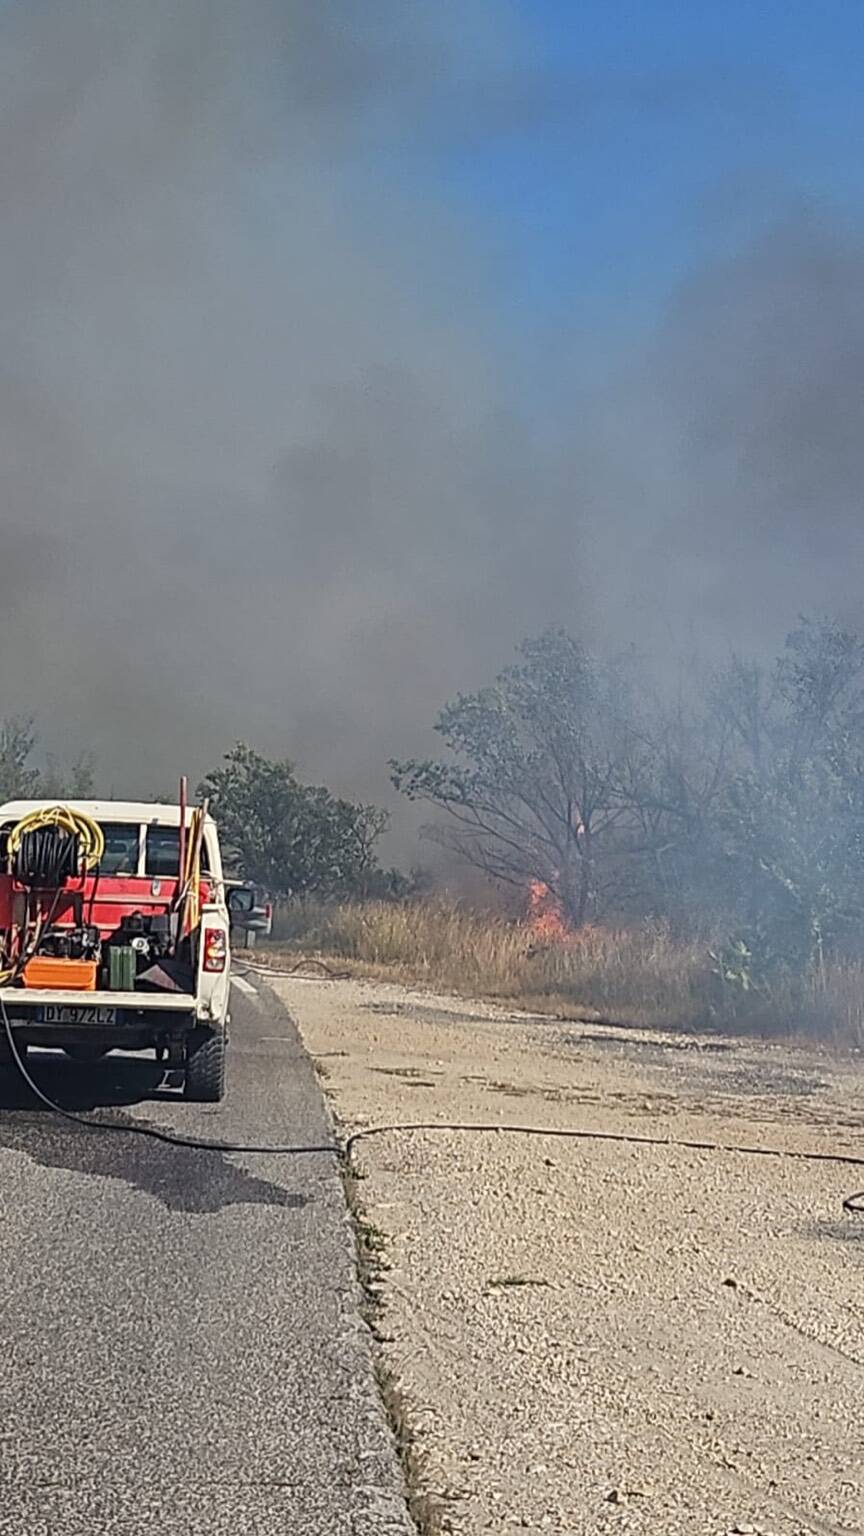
[268,911]
[215,949]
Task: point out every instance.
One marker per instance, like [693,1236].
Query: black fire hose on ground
[853,1204]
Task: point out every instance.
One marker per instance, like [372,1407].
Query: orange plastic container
[64,975]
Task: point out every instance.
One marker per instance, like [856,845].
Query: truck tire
[204,1082]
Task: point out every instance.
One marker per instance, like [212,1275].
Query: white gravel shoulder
[593,1336]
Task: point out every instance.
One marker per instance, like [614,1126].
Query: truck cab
[126,953]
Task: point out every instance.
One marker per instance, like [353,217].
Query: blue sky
[664,135]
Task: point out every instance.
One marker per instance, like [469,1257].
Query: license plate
[52,1014]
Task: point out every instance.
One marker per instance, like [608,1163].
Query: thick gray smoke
[261,475]
[726,498]
[271,466]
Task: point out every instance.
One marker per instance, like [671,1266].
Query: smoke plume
[729,491]
[275,462]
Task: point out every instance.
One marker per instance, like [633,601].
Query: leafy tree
[533,789]
[739,810]
[819,677]
[76,783]
[18,777]
[22,779]
[755,800]
[292,838]
[792,815]
[671,783]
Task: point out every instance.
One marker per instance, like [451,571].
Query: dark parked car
[250,910]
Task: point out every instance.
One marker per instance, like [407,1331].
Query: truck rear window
[121,848]
[162,852]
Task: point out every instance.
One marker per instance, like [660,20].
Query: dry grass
[641,975]
[826,1004]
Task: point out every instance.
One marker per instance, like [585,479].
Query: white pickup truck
[115,934]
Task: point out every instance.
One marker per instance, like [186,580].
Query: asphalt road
[180,1345]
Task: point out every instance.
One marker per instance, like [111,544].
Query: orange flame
[546,921]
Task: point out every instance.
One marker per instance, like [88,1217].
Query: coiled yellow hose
[88,831]
[78,824]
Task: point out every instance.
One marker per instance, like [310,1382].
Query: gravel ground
[591,1336]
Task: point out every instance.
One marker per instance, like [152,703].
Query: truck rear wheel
[205,1066]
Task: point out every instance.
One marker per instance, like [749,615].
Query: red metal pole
[184,795]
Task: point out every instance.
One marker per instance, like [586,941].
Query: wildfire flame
[546,921]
